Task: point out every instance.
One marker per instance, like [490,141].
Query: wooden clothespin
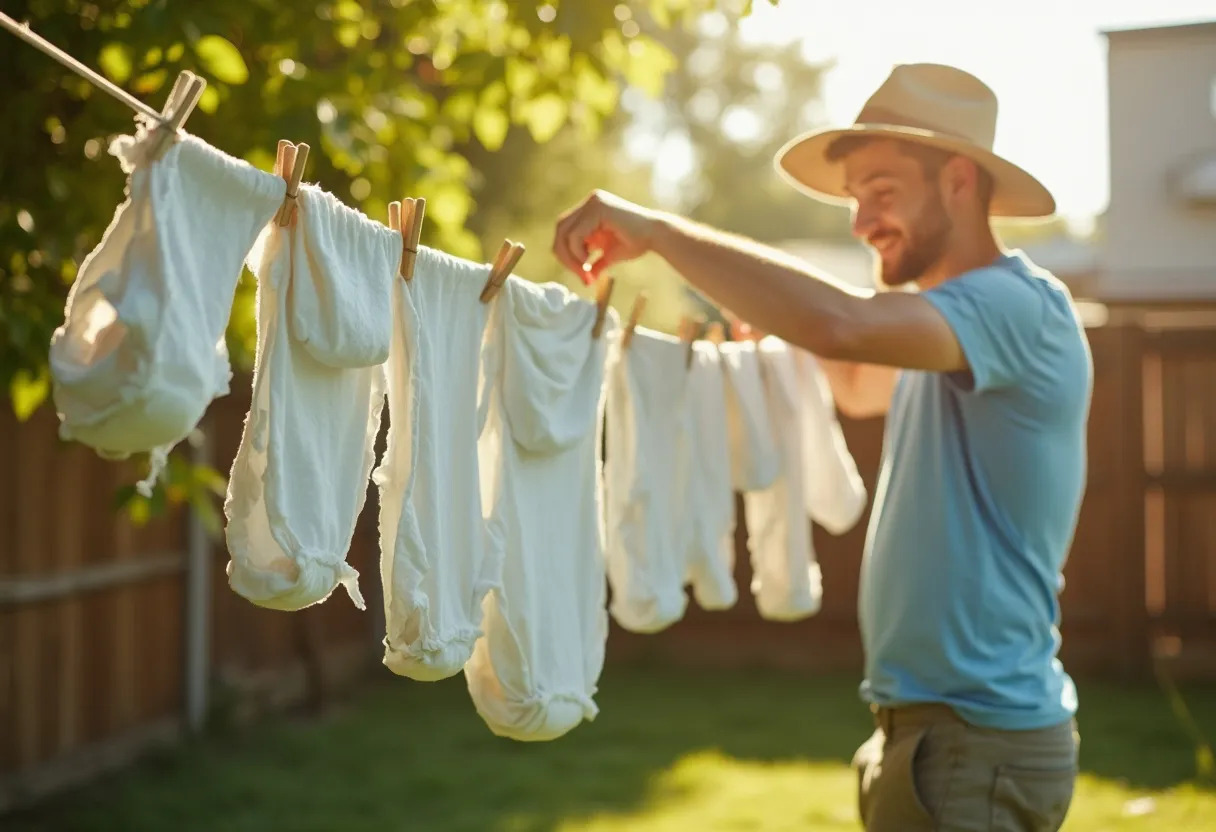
[689,329]
[504,263]
[405,217]
[411,231]
[394,219]
[279,153]
[183,98]
[290,164]
[603,294]
[639,303]
[715,333]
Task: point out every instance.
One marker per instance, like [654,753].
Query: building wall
[1161,114]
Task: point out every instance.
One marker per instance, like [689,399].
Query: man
[984,372]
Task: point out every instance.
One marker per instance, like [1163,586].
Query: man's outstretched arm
[763,286]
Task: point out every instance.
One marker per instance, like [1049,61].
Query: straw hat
[931,104]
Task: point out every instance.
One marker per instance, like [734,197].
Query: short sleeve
[997,316]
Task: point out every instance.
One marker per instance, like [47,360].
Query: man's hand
[604,224]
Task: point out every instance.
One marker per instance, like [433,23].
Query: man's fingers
[569,239]
[610,257]
[572,241]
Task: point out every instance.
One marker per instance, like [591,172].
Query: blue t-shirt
[981,482]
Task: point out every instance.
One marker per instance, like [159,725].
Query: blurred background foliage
[501,114]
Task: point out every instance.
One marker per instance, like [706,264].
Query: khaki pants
[926,769]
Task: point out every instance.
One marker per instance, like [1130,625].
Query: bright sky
[1045,59]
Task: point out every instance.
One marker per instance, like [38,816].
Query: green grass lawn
[671,750]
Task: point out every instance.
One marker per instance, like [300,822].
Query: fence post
[198,605]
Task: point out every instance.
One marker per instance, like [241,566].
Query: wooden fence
[113,637]
[1140,581]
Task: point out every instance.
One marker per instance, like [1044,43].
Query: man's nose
[863,221]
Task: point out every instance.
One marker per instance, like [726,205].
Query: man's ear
[960,179]
[953,178]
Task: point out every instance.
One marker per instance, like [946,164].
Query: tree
[735,104]
[392,95]
[717,81]
[727,107]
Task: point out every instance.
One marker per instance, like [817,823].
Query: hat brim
[804,164]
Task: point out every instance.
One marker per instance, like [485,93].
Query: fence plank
[69,542]
[123,705]
[8,691]
[1129,610]
[11,432]
[33,456]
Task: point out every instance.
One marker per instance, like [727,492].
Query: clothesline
[23,31]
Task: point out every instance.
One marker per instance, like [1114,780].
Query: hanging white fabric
[786,579]
[707,521]
[645,472]
[141,353]
[435,564]
[834,492]
[301,473]
[533,674]
[754,462]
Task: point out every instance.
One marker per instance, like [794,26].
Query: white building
[1160,236]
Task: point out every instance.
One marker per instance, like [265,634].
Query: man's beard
[922,248]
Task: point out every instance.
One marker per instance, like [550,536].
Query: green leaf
[156,503]
[210,479]
[545,116]
[522,76]
[150,82]
[649,64]
[593,89]
[1205,763]
[115,61]
[177,469]
[461,106]
[28,392]
[495,93]
[448,204]
[139,510]
[348,10]
[555,55]
[207,514]
[209,101]
[664,11]
[123,496]
[490,125]
[348,34]
[221,59]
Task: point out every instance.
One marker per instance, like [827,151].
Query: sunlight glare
[741,124]
[1045,60]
